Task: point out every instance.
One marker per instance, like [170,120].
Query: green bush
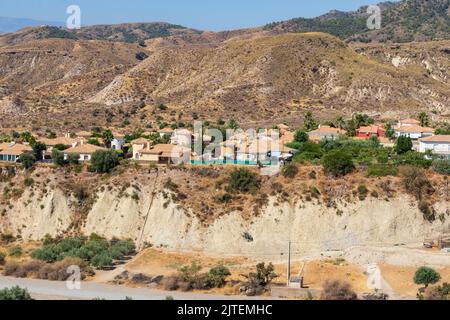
[216,277]
[301,136]
[28,182]
[2,258]
[308,151]
[27,160]
[15,251]
[104,161]
[378,170]
[15,293]
[426,276]
[442,166]
[338,163]
[102,260]
[96,251]
[403,145]
[58,157]
[415,159]
[243,180]
[73,158]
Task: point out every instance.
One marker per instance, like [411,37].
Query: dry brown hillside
[250,76]
[263,77]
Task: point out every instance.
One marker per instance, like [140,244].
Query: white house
[438,145]
[182,137]
[83,150]
[413,132]
[118,141]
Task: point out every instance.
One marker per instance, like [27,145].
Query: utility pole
[289,265]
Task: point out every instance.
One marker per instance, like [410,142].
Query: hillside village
[176,146]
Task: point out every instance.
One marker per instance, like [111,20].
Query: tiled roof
[16,149]
[439,138]
[84,149]
[414,129]
[60,140]
[165,150]
[140,141]
[369,129]
[410,121]
[327,130]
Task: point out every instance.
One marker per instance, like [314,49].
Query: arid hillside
[256,78]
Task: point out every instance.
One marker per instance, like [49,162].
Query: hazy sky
[200,14]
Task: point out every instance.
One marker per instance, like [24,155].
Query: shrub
[73,158]
[338,163]
[442,166]
[426,276]
[290,171]
[337,290]
[437,293]
[415,159]
[416,182]
[15,293]
[27,160]
[216,277]
[301,136]
[102,260]
[263,276]
[403,145]
[15,251]
[7,238]
[382,171]
[2,258]
[28,182]
[428,212]
[104,161]
[363,192]
[243,180]
[58,157]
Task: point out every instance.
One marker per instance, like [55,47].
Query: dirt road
[42,289]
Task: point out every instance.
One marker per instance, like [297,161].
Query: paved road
[42,289]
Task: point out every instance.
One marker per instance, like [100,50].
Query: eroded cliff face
[140,205]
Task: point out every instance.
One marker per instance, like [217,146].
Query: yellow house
[165,154]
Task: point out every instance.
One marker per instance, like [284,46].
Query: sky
[214,15]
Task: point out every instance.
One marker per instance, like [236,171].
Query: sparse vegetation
[338,163]
[243,180]
[337,290]
[14,293]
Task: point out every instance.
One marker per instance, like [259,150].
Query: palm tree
[424,119]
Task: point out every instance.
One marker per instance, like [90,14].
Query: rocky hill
[404,21]
[252,78]
[127,32]
[137,204]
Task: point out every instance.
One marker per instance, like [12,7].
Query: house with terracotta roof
[138,145]
[325,133]
[165,154]
[438,145]
[84,150]
[11,152]
[368,132]
[413,131]
[408,122]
